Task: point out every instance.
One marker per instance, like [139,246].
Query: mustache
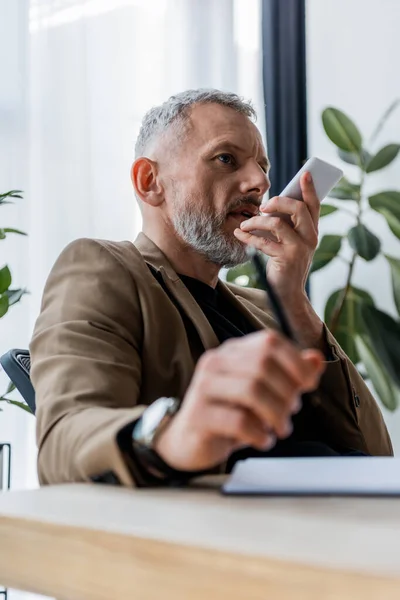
[251,200]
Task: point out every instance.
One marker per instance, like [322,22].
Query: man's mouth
[243,215]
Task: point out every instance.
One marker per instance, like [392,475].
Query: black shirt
[226,321]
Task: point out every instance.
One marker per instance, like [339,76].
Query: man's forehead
[211,123]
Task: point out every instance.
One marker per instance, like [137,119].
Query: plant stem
[383,120]
[348,211]
[341,301]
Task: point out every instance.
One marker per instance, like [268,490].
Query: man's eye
[226,159]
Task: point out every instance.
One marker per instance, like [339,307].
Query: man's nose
[254,181]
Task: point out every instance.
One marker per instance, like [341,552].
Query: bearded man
[148,369]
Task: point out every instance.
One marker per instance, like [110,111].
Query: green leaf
[364,242]
[10,230]
[350,321]
[327,209]
[388,200]
[383,158]
[395,269]
[5,279]
[10,388]
[2,234]
[388,205]
[354,159]
[345,190]
[11,194]
[16,403]
[4,305]
[328,248]
[392,221]
[341,130]
[384,333]
[387,391]
[15,296]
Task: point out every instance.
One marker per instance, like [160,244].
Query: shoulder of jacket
[124,252]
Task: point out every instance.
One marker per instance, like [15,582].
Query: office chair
[17,364]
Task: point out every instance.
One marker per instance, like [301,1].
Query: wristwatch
[153,420]
[154,470]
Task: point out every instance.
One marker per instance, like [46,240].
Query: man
[147,368]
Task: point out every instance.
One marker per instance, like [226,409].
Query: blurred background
[77,77]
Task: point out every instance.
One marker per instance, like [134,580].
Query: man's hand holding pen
[243,393]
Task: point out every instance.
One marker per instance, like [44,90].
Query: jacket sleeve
[346,408]
[86,366]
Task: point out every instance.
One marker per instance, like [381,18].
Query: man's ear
[144,175]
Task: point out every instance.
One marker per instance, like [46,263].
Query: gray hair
[177,109]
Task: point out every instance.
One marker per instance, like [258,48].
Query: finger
[253,395]
[238,425]
[280,386]
[279,227]
[303,366]
[252,363]
[299,214]
[310,196]
[266,245]
[282,232]
[307,369]
[316,359]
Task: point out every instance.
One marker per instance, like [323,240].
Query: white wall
[352,54]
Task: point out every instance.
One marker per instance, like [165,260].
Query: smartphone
[325,176]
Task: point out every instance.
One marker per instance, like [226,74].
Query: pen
[272,295]
[277,308]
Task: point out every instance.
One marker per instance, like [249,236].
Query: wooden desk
[83,542]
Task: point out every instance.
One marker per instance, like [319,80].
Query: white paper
[361,476]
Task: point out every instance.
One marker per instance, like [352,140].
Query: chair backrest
[17,364]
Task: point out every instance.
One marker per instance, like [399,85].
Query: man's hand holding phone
[287,232]
[243,393]
[294,239]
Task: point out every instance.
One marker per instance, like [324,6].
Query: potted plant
[369,336]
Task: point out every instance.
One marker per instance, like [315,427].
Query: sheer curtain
[96,67]
[79,75]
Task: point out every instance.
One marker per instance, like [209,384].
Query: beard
[204,233]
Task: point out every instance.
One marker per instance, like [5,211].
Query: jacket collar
[157,259]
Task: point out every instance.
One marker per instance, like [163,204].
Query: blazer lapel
[157,259]
[246,308]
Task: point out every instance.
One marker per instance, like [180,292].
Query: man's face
[214,178]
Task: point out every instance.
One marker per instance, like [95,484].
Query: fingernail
[288,428]
[297,405]
[308,177]
[270,442]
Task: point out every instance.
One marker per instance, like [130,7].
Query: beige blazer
[109,341]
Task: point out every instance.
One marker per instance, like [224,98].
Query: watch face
[155,413]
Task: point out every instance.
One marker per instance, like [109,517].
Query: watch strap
[159,470]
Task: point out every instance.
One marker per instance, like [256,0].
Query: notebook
[341,476]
